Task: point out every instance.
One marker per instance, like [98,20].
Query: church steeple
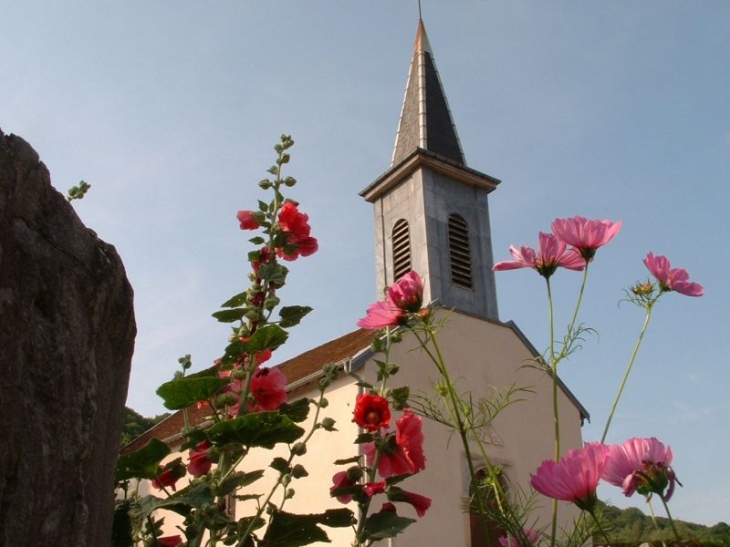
[431,210]
[425,120]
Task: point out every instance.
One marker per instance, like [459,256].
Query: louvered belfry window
[459,252]
[401,249]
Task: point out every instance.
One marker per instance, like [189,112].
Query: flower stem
[649,307]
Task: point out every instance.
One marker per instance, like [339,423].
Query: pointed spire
[425,120]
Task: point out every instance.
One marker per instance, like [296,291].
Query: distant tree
[135,424]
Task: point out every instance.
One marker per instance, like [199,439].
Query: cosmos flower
[585,235]
[671,279]
[551,254]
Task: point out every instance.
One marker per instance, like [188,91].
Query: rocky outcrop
[66,340]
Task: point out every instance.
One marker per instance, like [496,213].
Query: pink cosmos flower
[585,235]
[420,503]
[533,536]
[248,220]
[551,255]
[199,457]
[642,465]
[671,279]
[575,477]
[381,315]
[403,453]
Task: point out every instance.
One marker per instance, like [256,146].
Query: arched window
[487,533]
[401,249]
[459,252]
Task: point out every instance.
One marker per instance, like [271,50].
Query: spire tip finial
[419,11]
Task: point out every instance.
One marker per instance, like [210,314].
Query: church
[431,215]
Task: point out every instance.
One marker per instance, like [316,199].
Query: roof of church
[300,372]
[425,120]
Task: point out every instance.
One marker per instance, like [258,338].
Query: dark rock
[66,340]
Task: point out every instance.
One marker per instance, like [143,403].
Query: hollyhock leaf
[297,411]
[274,273]
[263,206]
[264,429]
[364,438]
[238,480]
[232,352]
[184,392]
[292,315]
[400,395]
[345,461]
[289,530]
[267,337]
[384,525]
[298,471]
[143,463]
[258,240]
[230,316]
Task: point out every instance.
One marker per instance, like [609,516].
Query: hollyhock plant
[574,478]
[295,225]
[641,465]
[169,475]
[372,412]
[671,279]
[551,254]
[343,479]
[585,235]
[199,457]
[268,389]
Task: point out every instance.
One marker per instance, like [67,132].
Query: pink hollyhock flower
[248,220]
[420,503]
[371,412]
[574,478]
[199,458]
[402,454]
[671,279]
[381,315]
[407,293]
[641,465]
[169,541]
[532,536]
[268,388]
[551,255]
[585,235]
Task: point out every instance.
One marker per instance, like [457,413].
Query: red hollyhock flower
[296,226]
[268,387]
[403,452]
[420,503]
[169,475]
[199,457]
[248,220]
[169,541]
[371,412]
[342,480]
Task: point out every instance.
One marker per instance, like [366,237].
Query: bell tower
[431,210]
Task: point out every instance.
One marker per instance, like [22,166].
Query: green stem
[553,365]
[649,307]
[671,520]
[600,528]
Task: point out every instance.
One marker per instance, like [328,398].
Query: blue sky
[613,110]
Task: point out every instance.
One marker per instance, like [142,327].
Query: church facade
[431,216]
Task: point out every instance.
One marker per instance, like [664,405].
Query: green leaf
[143,463]
[230,316]
[184,392]
[400,397]
[384,525]
[264,429]
[297,411]
[345,461]
[281,465]
[238,480]
[257,240]
[267,337]
[292,315]
[232,352]
[289,530]
[274,273]
[235,301]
